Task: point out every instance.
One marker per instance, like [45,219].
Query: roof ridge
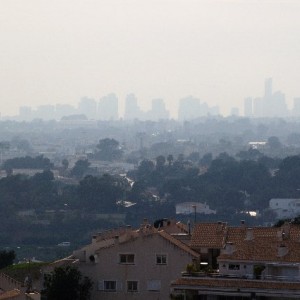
[177,243]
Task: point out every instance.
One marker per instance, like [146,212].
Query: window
[161,259]
[110,286]
[153,285]
[132,286]
[233,267]
[126,258]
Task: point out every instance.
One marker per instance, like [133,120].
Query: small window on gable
[161,259]
[126,259]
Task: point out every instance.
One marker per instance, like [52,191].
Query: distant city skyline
[269,104]
[107,107]
[219,51]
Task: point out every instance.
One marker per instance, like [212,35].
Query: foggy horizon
[218,51]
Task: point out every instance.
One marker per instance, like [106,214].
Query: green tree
[194,157]
[4,146]
[109,149]
[145,168]
[27,162]
[80,168]
[65,164]
[160,162]
[170,159]
[66,283]
[100,193]
[206,159]
[274,143]
[6,258]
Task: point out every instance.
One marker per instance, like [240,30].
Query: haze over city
[218,51]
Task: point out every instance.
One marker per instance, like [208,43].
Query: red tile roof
[178,243]
[264,244]
[235,283]
[209,235]
[10,294]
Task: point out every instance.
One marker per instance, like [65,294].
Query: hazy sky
[56,51]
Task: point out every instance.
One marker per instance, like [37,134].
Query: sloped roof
[178,243]
[10,294]
[209,235]
[269,244]
[265,244]
[236,283]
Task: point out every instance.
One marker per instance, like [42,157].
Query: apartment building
[135,264]
[254,263]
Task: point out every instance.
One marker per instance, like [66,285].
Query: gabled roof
[236,284]
[268,244]
[121,236]
[10,294]
[178,243]
[209,235]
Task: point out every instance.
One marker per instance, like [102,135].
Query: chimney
[229,248]
[286,230]
[243,223]
[189,227]
[220,226]
[116,238]
[94,239]
[164,222]
[249,234]
[282,250]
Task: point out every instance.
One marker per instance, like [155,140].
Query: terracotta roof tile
[10,294]
[209,235]
[264,244]
[236,283]
[178,243]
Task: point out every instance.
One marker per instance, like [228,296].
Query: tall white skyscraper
[248,107]
[158,110]
[88,107]
[108,107]
[132,110]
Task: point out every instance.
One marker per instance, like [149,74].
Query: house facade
[134,264]
[187,208]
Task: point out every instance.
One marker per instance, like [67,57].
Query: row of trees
[223,182]
[28,162]
[226,184]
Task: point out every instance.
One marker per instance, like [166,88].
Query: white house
[187,208]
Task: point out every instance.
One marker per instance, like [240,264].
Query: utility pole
[195,213]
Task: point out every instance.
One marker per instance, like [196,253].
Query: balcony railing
[268,277]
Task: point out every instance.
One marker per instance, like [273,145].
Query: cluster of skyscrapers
[107,108]
[271,104]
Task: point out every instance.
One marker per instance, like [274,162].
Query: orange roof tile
[209,235]
[264,244]
[236,283]
[178,243]
[10,294]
